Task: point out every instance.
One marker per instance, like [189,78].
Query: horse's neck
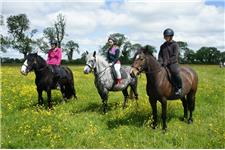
[41,62]
[101,64]
[153,66]
[41,66]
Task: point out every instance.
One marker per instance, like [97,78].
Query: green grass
[81,124]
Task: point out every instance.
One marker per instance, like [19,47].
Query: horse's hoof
[50,108]
[183,118]
[153,125]
[164,131]
[63,101]
[190,121]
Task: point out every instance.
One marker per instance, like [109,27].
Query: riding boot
[178,80]
[56,79]
[118,83]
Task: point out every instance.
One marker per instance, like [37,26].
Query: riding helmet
[53,42]
[113,39]
[168,32]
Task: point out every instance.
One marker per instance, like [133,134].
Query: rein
[103,71]
[149,72]
[39,70]
[154,71]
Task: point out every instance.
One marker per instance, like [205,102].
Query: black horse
[45,80]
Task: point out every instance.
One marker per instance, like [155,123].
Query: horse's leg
[191,105]
[49,98]
[125,94]
[185,106]
[40,98]
[104,97]
[134,89]
[63,92]
[154,112]
[164,109]
[74,91]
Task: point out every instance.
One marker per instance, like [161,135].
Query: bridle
[29,68]
[97,74]
[142,68]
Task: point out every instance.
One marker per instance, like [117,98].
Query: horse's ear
[94,54]
[144,50]
[87,52]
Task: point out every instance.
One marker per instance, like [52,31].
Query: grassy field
[81,124]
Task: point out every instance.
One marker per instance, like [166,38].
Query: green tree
[151,49]
[120,38]
[222,56]
[183,51]
[4,43]
[190,57]
[42,44]
[49,33]
[60,25]
[21,39]
[208,55]
[57,32]
[70,48]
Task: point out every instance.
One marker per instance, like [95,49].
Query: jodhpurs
[174,69]
[117,69]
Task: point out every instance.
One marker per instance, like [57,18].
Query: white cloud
[89,23]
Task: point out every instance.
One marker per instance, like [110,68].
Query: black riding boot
[178,80]
[56,78]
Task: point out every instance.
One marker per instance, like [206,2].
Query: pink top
[113,50]
[54,56]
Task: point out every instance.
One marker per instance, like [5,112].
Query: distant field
[81,124]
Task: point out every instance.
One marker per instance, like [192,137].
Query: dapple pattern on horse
[104,79]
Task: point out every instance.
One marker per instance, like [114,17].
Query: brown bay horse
[160,88]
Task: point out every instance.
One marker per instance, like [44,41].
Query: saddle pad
[122,71]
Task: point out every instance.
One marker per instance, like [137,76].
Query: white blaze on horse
[105,78]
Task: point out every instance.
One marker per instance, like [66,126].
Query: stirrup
[58,87]
[178,92]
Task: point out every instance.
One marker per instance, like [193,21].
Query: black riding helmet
[53,42]
[168,32]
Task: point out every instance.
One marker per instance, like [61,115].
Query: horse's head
[29,63]
[139,62]
[90,62]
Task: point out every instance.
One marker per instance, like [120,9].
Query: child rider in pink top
[54,59]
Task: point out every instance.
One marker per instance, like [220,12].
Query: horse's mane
[41,60]
[148,54]
[99,58]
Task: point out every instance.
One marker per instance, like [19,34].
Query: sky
[90,22]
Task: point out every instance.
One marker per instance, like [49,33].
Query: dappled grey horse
[104,78]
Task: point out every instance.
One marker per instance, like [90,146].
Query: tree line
[21,38]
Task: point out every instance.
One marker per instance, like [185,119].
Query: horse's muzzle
[23,73]
[87,70]
[133,72]
[24,70]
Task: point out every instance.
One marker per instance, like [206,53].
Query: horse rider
[54,60]
[113,54]
[168,57]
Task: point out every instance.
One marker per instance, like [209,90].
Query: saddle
[170,77]
[61,74]
[122,71]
